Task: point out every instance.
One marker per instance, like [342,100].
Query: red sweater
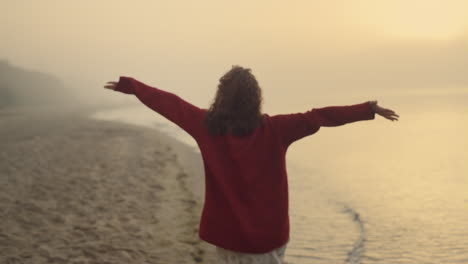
[246,186]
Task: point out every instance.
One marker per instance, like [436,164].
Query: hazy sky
[302,52]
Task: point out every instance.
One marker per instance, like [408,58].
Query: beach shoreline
[79,190]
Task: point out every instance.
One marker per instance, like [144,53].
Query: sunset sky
[302,52]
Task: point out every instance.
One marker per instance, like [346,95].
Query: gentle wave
[355,255]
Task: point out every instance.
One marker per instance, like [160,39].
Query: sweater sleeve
[292,127]
[171,106]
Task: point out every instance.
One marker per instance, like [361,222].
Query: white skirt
[231,257]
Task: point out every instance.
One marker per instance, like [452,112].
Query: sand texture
[77,190]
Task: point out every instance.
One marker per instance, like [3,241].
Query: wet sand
[78,190]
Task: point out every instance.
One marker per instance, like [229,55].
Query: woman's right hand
[384,112]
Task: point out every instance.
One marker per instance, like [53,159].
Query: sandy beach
[78,190]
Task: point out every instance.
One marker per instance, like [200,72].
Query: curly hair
[237,105]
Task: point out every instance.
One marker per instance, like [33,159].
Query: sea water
[372,191]
[383,192]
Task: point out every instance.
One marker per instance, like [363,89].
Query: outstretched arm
[340,115]
[171,106]
[292,127]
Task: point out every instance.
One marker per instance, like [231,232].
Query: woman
[245,214]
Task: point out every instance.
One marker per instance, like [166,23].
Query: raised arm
[292,127]
[171,106]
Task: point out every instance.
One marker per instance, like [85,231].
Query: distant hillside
[19,87]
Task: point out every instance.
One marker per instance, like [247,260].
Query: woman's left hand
[110,85]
